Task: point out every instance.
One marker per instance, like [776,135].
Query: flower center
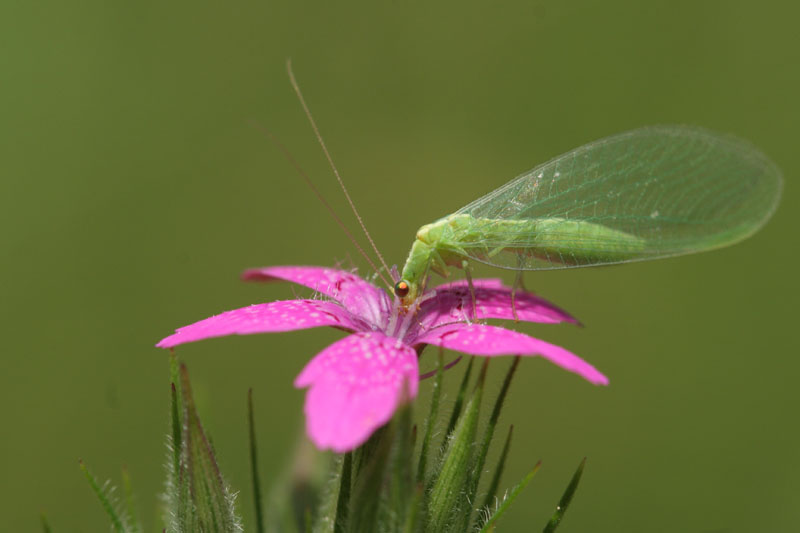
[402,318]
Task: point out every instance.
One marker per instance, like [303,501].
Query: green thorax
[436,247]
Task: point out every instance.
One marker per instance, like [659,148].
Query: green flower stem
[254,464]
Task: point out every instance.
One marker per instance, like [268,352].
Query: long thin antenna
[321,198]
[330,161]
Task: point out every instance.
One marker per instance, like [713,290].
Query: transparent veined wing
[648,193]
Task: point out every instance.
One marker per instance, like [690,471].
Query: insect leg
[468,273]
[438,264]
[518,282]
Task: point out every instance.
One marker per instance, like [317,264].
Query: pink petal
[480,339]
[284,315]
[355,294]
[453,303]
[356,385]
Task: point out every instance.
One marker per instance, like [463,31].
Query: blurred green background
[134,191]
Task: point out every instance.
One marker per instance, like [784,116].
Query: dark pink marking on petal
[453,303]
[284,315]
[356,384]
[480,339]
[356,294]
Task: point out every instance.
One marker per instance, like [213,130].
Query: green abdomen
[538,243]
[579,242]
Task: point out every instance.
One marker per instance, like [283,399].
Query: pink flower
[356,383]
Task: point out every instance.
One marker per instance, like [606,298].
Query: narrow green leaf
[176,430]
[368,481]
[433,414]
[413,514]
[565,499]
[45,524]
[254,463]
[400,482]
[491,492]
[331,512]
[309,482]
[363,454]
[204,501]
[205,482]
[104,495]
[462,392]
[343,500]
[174,376]
[448,494]
[304,495]
[130,502]
[508,500]
[176,493]
[483,450]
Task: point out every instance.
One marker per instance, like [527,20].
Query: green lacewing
[649,193]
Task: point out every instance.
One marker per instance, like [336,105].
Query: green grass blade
[45,524]
[414,510]
[491,492]
[433,414]
[483,450]
[106,500]
[175,411]
[400,482]
[206,501]
[343,498]
[448,493]
[507,501]
[365,502]
[462,392]
[331,515]
[176,494]
[565,499]
[362,455]
[130,502]
[257,502]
